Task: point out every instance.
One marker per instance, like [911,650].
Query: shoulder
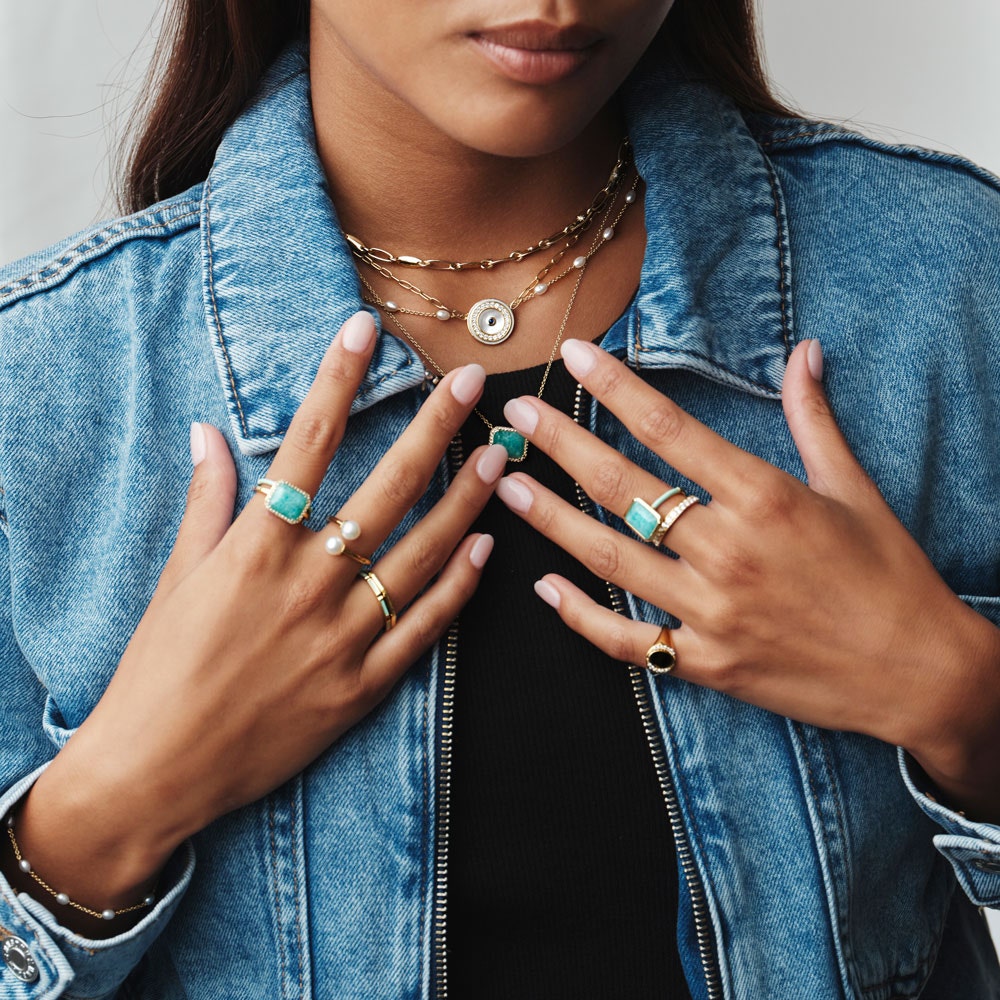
[128,241]
[917,190]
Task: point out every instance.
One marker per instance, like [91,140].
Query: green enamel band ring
[382,596]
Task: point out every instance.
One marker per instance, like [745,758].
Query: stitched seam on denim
[841,826]
[295,890]
[779,243]
[711,361]
[104,241]
[215,306]
[797,728]
[781,140]
[424,845]
[692,823]
[277,897]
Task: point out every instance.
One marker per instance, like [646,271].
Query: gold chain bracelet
[60,897]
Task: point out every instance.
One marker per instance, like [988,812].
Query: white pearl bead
[541,288]
[629,198]
[335,545]
[580,261]
[608,233]
[62,898]
[391,306]
[443,314]
[350,530]
[107,914]
[149,900]
[24,865]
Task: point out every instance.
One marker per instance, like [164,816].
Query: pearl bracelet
[61,897]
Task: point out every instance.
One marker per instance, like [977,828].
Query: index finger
[684,442]
[317,428]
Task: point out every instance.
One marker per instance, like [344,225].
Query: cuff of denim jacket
[972,848]
[60,956]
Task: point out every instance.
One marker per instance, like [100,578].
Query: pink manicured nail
[548,593]
[468,384]
[522,415]
[515,495]
[814,359]
[491,463]
[198,444]
[580,357]
[480,552]
[357,334]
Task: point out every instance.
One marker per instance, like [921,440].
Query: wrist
[958,748]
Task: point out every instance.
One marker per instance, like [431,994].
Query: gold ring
[668,519]
[382,596]
[336,544]
[284,500]
[661,657]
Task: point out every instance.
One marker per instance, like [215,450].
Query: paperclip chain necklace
[511,439]
[491,320]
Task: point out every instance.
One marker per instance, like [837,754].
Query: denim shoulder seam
[785,134]
[159,221]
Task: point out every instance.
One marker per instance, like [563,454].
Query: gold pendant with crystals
[490,321]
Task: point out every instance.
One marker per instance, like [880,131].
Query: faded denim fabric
[825,872]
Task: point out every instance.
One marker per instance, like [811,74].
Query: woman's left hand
[812,601]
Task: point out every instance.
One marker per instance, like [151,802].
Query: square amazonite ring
[285,500]
[643,518]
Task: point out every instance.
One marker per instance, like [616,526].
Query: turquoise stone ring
[284,500]
[643,518]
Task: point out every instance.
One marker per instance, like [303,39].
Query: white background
[914,71]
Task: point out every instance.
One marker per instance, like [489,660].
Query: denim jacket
[810,863]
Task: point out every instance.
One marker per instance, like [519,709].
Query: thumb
[831,467]
[209,509]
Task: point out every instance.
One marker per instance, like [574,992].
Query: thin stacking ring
[284,500]
[661,657]
[382,596]
[336,544]
[644,518]
[671,516]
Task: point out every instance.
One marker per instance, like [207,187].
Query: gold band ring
[382,596]
[661,657]
[668,519]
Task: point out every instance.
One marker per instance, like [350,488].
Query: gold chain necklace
[491,320]
[514,441]
[581,222]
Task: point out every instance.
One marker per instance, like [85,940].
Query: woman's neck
[400,183]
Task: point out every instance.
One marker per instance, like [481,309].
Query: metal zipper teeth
[654,739]
[455,458]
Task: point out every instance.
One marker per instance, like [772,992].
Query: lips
[535,52]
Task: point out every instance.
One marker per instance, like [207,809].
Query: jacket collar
[278,279]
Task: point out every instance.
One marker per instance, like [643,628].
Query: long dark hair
[212,54]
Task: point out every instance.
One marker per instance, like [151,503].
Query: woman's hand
[811,601]
[259,648]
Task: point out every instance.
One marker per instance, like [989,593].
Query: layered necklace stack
[491,321]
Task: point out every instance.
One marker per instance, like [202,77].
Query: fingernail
[515,495]
[580,357]
[198,443]
[357,334]
[468,384]
[521,414]
[814,359]
[480,552]
[548,593]
[491,463]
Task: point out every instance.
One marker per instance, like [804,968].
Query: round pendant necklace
[491,320]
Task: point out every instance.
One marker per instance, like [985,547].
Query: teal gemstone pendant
[515,442]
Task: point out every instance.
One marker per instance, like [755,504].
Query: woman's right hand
[259,649]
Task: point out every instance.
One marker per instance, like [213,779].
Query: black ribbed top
[562,869]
